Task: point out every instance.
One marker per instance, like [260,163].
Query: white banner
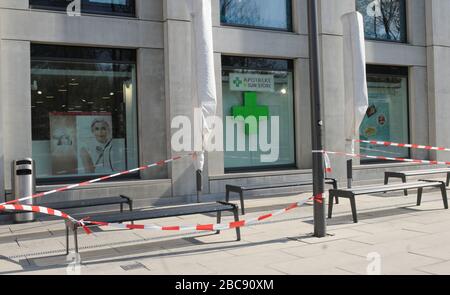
[355,81]
[203,75]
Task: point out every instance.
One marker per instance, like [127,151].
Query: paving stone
[312,250]
[387,236]
[439,252]
[442,268]
[388,248]
[324,264]
[403,263]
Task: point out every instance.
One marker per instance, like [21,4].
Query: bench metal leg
[419,196]
[227,196]
[335,186]
[330,206]
[444,196]
[354,213]
[67,239]
[75,237]
[386,180]
[74,229]
[241,195]
[219,219]
[130,205]
[236,219]
[404,181]
[448,179]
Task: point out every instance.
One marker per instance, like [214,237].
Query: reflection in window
[383,19]
[274,14]
[115,7]
[83,110]
[387,116]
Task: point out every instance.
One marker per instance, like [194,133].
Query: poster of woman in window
[93,150]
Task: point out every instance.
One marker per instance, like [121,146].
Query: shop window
[261,88]
[387,116]
[384,19]
[84,113]
[267,14]
[113,7]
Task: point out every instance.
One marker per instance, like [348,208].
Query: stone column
[331,36]
[2,174]
[438,71]
[177,59]
[15,95]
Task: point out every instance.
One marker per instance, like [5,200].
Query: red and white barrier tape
[86,183]
[36,209]
[43,210]
[403,145]
[207,227]
[429,162]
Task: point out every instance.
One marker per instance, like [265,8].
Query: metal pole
[349,173]
[320,230]
[199,184]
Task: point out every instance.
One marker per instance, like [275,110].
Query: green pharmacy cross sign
[238,82]
[251,109]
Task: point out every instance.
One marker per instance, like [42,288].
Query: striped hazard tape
[36,209]
[404,145]
[207,227]
[19,208]
[86,183]
[429,162]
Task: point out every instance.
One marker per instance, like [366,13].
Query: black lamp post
[320,230]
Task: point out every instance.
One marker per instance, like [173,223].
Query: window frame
[399,71]
[76,179]
[94,11]
[405,40]
[265,168]
[289,29]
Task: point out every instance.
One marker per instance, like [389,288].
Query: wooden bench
[403,174]
[133,216]
[350,193]
[240,189]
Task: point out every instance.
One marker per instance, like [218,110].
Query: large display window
[113,7]
[266,14]
[84,113]
[261,88]
[384,19]
[387,118]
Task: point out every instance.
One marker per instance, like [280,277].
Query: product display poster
[386,117]
[83,143]
[376,123]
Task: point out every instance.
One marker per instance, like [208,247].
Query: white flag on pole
[356,95]
[203,75]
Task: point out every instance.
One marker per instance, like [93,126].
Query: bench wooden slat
[423,172]
[162,212]
[275,185]
[391,187]
[87,203]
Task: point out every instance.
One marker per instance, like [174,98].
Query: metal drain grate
[134,266]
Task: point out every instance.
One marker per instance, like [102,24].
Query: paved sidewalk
[408,239]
